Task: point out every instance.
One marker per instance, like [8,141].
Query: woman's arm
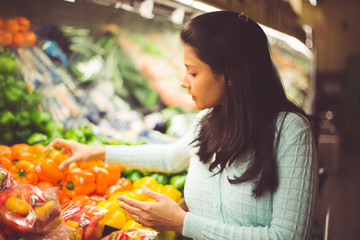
[173,157]
[293,202]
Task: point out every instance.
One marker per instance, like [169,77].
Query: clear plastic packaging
[82,221]
[6,180]
[31,212]
[132,234]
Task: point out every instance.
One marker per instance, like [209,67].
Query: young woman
[252,167]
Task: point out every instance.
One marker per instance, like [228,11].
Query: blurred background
[114,66]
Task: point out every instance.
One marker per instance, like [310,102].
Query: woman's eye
[192,74]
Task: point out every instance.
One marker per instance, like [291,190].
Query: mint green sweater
[220,210]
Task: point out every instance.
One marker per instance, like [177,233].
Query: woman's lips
[193,98]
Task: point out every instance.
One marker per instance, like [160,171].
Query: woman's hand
[164,214]
[76,151]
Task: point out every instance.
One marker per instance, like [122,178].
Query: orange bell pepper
[49,171]
[122,184]
[87,200]
[5,151]
[89,165]
[57,156]
[5,162]
[97,198]
[103,178]
[84,200]
[44,184]
[63,198]
[78,182]
[38,150]
[24,172]
[18,149]
[114,170]
[27,156]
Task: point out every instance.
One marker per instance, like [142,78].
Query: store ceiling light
[186,2]
[124,6]
[293,42]
[204,7]
[199,5]
[72,1]
[313,2]
[146,9]
[177,16]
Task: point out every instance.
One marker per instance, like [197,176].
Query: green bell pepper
[40,119]
[13,95]
[37,138]
[178,181]
[126,172]
[160,178]
[7,65]
[87,130]
[23,118]
[54,126]
[134,176]
[7,118]
[76,135]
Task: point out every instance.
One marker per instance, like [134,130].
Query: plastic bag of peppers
[31,213]
[132,234]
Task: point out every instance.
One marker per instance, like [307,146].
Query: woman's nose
[185,83]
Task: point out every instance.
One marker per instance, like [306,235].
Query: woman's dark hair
[236,46]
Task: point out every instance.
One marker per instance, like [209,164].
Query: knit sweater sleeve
[171,157]
[293,201]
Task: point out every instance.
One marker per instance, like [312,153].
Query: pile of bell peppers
[80,181]
[93,183]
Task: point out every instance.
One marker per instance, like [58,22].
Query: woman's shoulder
[293,122]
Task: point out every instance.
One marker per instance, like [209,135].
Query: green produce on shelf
[54,127]
[160,178]
[23,118]
[103,59]
[126,172]
[7,118]
[178,181]
[135,175]
[40,119]
[7,64]
[20,114]
[38,138]
[76,135]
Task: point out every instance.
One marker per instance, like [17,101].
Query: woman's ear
[229,83]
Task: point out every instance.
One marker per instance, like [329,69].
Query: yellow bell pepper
[17,205]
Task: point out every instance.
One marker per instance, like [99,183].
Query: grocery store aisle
[341,193]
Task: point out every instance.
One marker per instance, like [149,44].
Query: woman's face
[207,89]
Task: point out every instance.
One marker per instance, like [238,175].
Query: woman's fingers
[66,162]
[131,203]
[151,194]
[132,206]
[58,143]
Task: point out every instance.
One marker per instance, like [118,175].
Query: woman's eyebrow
[188,65]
